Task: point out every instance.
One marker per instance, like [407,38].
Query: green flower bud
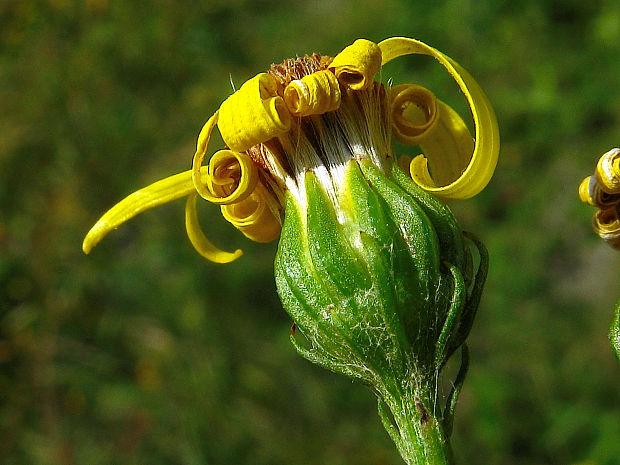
[383,293]
[380,283]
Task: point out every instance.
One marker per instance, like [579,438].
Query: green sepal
[414,225]
[373,215]
[303,294]
[326,361]
[401,291]
[451,323]
[333,257]
[474,295]
[366,312]
[448,231]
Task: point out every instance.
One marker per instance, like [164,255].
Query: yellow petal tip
[87,246]
[201,244]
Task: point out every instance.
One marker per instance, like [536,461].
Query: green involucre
[378,284]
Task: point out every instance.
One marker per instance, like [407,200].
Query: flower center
[359,128]
[293,69]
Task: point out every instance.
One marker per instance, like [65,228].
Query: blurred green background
[144,353]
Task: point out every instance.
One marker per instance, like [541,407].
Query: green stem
[415,429]
[614,332]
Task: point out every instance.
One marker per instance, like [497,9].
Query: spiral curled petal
[418,118]
[414,112]
[256,216]
[356,66]
[448,147]
[231,177]
[253,114]
[587,191]
[606,224]
[483,160]
[608,172]
[590,193]
[313,94]
[232,181]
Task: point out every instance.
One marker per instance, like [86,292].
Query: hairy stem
[414,428]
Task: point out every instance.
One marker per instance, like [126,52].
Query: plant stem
[415,429]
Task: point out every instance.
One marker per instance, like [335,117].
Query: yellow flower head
[602,190]
[316,113]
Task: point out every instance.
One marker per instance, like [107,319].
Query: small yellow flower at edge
[602,190]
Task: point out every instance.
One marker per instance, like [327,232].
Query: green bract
[381,286]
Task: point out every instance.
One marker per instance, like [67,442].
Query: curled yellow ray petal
[606,224]
[158,193]
[356,66]
[231,177]
[199,156]
[588,191]
[253,114]
[313,94]
[256,216]
[418,118]
[414,112]
[591,193]
[200,242]
[608,172]
[482,163]
[448,147]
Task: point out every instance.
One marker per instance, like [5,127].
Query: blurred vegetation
[143,352]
